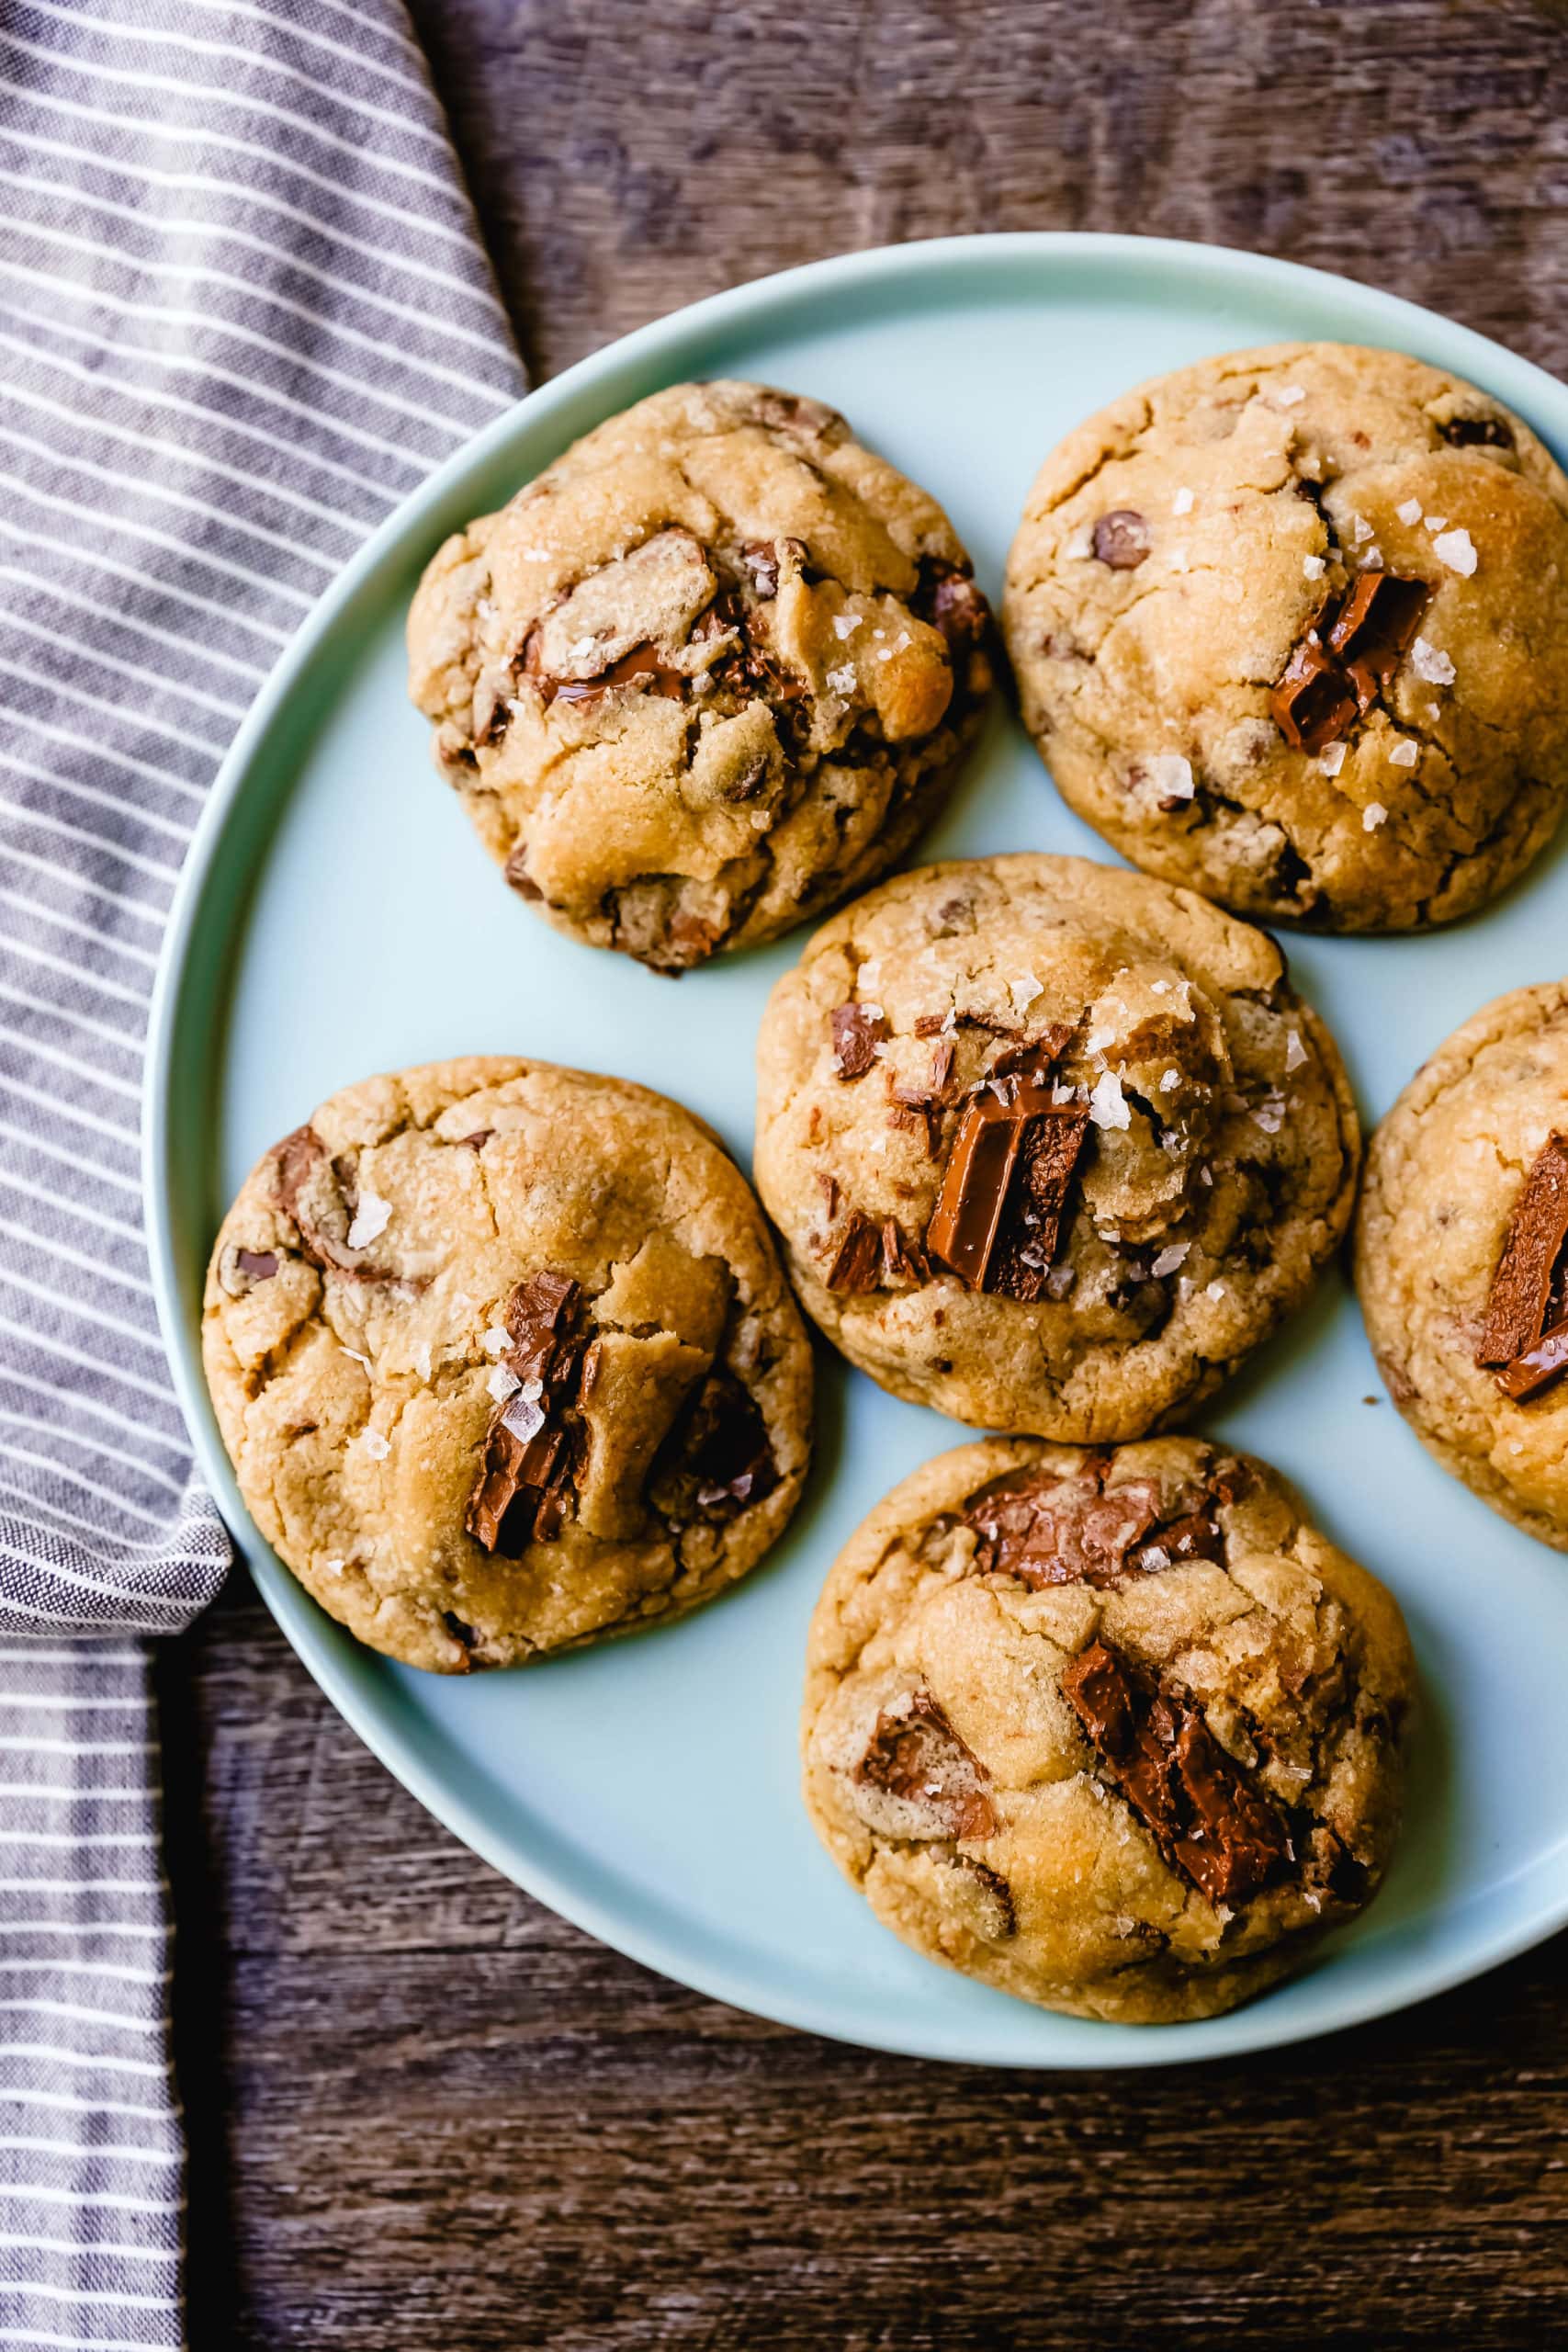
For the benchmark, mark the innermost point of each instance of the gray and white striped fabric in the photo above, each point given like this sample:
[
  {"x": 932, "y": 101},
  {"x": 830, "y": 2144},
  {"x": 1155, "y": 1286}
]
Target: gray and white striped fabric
[{"x": 244, "y": 307}]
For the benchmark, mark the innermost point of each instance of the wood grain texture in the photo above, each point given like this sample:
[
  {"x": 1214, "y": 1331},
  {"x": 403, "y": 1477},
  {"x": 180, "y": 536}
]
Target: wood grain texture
[{"x": 426, "y": 2116}]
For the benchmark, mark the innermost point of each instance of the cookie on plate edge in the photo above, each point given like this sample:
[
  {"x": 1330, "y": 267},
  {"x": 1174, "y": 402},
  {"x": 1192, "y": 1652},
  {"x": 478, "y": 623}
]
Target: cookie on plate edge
[
  {"x": 1287, "y": 627},
  {"x": 504, "y": 1360},
  {"x": 1461, "y": 1256},
  {"x": 1116, "y": 1732}
]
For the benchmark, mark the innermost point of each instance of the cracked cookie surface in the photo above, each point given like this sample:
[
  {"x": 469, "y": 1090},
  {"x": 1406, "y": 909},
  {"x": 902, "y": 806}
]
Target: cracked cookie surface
[
  {"x": 1185, "y": 562},
  {"x": 1115, "y": 1731},
  {"x": 1052, "y": 1146},
  {"x": 711, "y": 670},
  {"x": 504, "y": 1360},
  {"x": 1462, "y": 1198}
]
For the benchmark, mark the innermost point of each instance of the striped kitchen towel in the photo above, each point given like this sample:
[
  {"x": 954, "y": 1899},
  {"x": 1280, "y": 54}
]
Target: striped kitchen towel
[{"x": 244, "y": 309}]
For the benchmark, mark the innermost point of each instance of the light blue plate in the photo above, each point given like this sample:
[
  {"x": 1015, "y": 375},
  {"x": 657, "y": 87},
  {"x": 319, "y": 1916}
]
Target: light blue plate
[{"x": 337, "y": 916}]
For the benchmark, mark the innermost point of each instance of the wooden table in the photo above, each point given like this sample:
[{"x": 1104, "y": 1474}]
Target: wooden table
[{"x": 426, "y": 2116}]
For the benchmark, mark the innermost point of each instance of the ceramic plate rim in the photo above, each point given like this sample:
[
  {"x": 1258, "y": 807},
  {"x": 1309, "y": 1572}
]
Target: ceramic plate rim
[{"x": 1386, "y": 318}]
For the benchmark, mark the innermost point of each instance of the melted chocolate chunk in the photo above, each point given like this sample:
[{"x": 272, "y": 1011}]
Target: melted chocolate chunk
[
  {"x": 1312, "y": 703},
  {"x": 718, "y": 1459},
  {"x": 1468, "y": 431},
  {"x": 857, "y": 1266},
  {"x": 525, "y": 1485},
  {"x": 1528, "y": 1288},
  {"x": 857, "y": 1034},
  {"x": 1537, "y": 1367},
  {"x": 259, "y": 1264},
  {"x": 999, "y": 1213},
  {"x": 1348, "y": 657},
  {"x": 1156, "y": 1749},
  {"x": 642, "y": 661},
  {"x": 915, "y": 1756},
  {"x": 1374, "y": 629},
  {"x": 1120, "y": 539}
]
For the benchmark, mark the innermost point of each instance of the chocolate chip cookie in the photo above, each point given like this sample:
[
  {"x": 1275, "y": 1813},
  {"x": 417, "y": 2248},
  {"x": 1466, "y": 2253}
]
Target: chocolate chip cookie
[
  {"x": 711, "y": 670},
  {"x": 505, "y": 1361},
  {"x": 1461, "y": 1256},
  {"x": 1116, "y": 1732},
  {"x": 1287, "y": 626},
  {"x": 1052, "y": 1146}
]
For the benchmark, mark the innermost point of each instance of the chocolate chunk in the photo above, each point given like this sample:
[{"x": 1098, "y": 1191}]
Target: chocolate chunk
[
  {"x": 1537, "y": 1367},
  {"x": 762, "y": 560},
  {"x": 856, "y": 1035},
  {"x": 1034, "y": 1058},
  {"x": 1048, "y": 1153},
  {"x": 1520, "y": 1300},
  {"x": 1155, "y": 1748},
  {"x": 949, "y": 599},
  {"x": 315, "y": 1190},
  {"x": 1005, "y": 1188},
  {"x": 857, "y": 1266},
  {"x": 1045, "y": 1530},
  {"x": 525, "y": 1485},
  {"x": 903, "y": 1261},
  {"x": 1348, "y": 657},
  {"x": 477, "y": 1140},
  {"x": 1467, "y": 432},
  {"x": 1195, "y": 1536},
  {"x": 517, "y": 873},
  {"x": 1374, "y": 629},
  {"x": 259, "y": 1264},
  {"x": 829, "y": 1186},
  {"x": 915, "y": 1757},
  {"x": 930, "y": 1025},
  {"x": 1312, "y": 703},
  {"x": 1121, "y": 539},
  {"x": 717, "y": 1459}
]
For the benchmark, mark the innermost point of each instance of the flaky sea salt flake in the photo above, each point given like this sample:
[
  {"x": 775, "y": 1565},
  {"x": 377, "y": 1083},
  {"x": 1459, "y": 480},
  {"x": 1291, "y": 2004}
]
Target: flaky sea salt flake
[
  {"x": 1406, "y": 753},
  {"x": 1295, "y": 1052},
  {"x": 502, "y": 1384},
  {"x": 1373, "y": 815},
  {"x": 1182, "y": 502},
  {"x": 372, "y": 1216},
  {"x": 1410, "y": 512},
  {"x": 496, "y": 1341},
  {"x": 1108, "y": 1104},
  {"x": 1332, "y": 759},
  {"x": 1314, "y": 565},
  {"x": 1456, "y": 550},
  {"x": 1431, "y": 663},
  {"x": 1170, "y": 1259}
]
